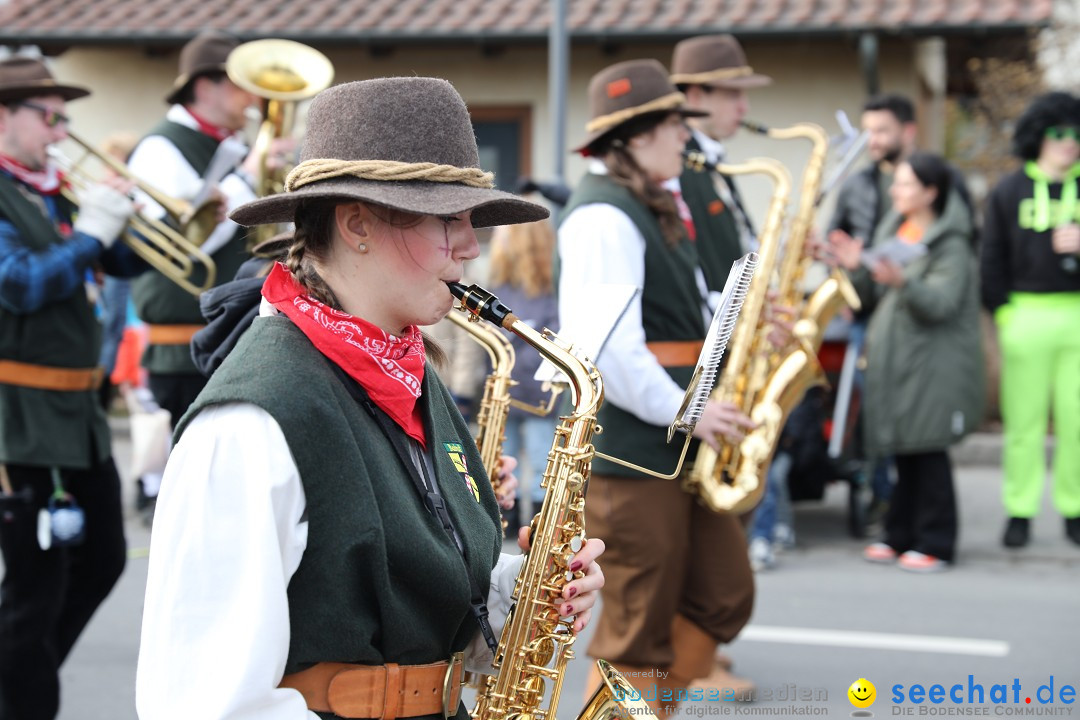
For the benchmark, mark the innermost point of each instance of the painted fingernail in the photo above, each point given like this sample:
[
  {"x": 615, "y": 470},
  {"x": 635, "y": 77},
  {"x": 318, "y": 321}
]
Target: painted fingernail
[
  {"x": 569, "y": 610},
  {"x": 575, "y": 566},
  {"x": 572, "y": 593}
]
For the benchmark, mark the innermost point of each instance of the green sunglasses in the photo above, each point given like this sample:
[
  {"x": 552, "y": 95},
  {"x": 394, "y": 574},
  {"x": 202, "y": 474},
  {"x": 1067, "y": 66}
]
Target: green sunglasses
[{"x": 1058, "y": 132}]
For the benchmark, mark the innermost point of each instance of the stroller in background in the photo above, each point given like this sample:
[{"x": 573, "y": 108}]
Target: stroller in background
[{"x": 810, "y": 432}]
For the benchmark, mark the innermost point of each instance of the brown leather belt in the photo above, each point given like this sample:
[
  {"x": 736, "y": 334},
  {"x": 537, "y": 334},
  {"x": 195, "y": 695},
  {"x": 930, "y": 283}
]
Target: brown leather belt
[
  {"x": 676, "y": 353},
  {"x": 172, "y": 334},
  {"x": 387, "y": 691},
  {"x": 46, "y": 377}
]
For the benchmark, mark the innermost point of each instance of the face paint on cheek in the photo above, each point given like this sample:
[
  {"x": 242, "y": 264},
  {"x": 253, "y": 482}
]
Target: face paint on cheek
[{"x": 446, "y": 242}]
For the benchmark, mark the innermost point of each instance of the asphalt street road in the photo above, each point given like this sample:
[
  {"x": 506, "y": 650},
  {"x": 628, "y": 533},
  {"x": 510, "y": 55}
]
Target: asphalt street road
[{"x": 823, "y": 620}]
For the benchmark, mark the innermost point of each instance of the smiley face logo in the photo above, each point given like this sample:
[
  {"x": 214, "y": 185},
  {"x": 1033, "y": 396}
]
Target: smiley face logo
[{"x": 862, "y": 693}]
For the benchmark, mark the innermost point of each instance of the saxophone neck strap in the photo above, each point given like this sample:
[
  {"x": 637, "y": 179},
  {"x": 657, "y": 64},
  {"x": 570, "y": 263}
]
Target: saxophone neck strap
[{"x": 422, "y": 473}]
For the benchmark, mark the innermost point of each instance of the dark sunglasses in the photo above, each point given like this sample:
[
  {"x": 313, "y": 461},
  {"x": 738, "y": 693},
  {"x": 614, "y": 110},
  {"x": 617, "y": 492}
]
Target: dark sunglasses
[
  {"x": 51, "y": 117},
  {"x": 1062, "y": 132}
]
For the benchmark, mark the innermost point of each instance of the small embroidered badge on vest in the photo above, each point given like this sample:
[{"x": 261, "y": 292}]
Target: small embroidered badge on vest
[
  {"x": 716, "y": 207},
  {"x": 457, "y": 456}
]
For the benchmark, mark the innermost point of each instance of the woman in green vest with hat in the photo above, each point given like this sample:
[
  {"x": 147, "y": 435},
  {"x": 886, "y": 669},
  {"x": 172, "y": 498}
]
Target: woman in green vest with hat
[
  {"x": 325, "y": 540},
  {"x": 667, "y": 602}
]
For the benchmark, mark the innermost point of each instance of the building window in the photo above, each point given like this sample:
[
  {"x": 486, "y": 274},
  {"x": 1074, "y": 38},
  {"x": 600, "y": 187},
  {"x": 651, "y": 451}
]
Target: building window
[{"x": 504, "y": 136}]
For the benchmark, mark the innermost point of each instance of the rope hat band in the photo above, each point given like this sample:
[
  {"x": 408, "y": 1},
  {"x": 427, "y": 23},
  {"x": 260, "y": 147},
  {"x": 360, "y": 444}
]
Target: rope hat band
[
  {"x": 316, "y": 169},
  {"x": 667, "y": 102},
  {"x": 704, "y": 78}
]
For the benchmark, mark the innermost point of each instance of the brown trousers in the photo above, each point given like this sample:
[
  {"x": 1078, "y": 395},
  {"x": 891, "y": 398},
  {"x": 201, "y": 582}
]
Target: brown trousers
[{"x": 666, "y": 554}]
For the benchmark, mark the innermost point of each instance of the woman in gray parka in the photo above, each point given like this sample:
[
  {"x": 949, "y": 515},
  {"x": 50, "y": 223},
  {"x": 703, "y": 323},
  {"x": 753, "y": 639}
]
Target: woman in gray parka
[{"x": 924, "y": 379}]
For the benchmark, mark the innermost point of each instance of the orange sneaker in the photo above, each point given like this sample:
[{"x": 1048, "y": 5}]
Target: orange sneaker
[
  {"x": 915, "y": 561},
  {"x": 879, "y": 552}
]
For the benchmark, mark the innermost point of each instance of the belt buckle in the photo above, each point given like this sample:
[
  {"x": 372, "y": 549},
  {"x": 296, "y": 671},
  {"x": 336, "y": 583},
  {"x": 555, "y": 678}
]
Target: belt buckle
[{"x": 456, "y": 660}]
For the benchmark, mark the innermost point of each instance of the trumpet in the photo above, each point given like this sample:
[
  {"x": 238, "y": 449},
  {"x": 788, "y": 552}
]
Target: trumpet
[{"x": 169, "y": 250}]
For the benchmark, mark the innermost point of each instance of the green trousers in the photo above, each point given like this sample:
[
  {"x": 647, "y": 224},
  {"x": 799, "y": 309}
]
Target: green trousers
[{"x": 1040, "y": 378}]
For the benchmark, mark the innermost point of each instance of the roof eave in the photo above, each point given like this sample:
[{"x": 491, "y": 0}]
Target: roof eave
[{"x": 68, "y": 38}]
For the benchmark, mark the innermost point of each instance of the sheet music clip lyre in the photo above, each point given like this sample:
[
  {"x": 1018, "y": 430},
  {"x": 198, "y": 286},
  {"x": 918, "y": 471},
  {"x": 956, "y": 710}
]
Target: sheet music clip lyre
[{"x": 708, "y": 363}]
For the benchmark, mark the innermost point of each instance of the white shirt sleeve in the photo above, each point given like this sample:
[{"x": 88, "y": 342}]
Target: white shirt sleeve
[
  {"x": 229, "y": 532},
  {"x": 600, "y": 244},
  {"x": 478, "y": 657},
  {"x": 160, "y": 164}
]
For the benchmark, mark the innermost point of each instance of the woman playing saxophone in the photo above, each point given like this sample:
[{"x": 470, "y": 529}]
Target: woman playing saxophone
[
  {"x": 325, "y": 530},
  {"x": 623, "y": 226}
]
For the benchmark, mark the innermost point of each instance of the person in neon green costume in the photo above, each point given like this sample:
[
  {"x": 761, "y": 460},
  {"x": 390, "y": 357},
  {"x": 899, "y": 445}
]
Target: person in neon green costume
[{"x": 1030, "y": 268}]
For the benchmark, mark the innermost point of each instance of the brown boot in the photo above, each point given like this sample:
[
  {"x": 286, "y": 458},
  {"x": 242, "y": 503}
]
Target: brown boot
[
  {"x": 696, "y": 664},
  {"x": 729, "y": 686}
]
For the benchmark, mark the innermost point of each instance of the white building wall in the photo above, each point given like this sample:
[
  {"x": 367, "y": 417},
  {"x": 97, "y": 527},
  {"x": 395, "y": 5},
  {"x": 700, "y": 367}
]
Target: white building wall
[{"x": 812, "y": 80}]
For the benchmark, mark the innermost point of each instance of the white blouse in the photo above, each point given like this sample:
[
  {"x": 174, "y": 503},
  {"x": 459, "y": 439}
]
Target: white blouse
[
  {"x": 229, "y": 532},
  {"x": 598, "y": 243},
  {"x": 160, "y": 163}
]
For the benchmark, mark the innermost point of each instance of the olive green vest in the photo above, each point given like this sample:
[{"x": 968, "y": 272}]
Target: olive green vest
[
  {"x": 379, "y": 581},
  {"x": 160, "y": 301},
  {"x": 717, "y": 232},
  {"x": 671, "y": 307},
  {"x": 47, "y": 427}
]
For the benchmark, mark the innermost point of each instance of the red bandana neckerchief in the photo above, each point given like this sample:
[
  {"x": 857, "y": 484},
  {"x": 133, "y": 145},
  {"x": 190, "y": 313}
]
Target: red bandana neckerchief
[
  {"x": 684, "y": 215},
  {"x": 389, "y": 368},
  {"x": 45, "y": 182},
  {"x": 206, "y": 128}
]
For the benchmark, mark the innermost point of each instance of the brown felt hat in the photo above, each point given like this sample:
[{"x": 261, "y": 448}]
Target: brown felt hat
[
  {"x": 399, "y": 125},
  {"x": 628, "y": 90},
  {"x": 716, "y": 61},
  {"x": 206, "y": 53},
  {"x": 23, "y": 77}
]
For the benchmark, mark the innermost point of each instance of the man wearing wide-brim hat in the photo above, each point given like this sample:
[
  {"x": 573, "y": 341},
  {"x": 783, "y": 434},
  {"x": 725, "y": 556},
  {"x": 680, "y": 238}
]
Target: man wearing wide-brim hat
[
  {"x": 206, "y": 112},
  {"x": 53, "y": 434},
  {"x": 713, "y": 72}
]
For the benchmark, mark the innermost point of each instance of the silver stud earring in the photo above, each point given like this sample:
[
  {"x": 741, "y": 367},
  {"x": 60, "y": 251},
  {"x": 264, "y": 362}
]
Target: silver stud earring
[{"x": 362, "y": 247}]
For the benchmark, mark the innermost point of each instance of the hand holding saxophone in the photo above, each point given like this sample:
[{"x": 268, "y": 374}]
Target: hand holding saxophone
[
  {"x": 506, "y": 483},
  {"x": 580, "y": 594},
  {"x": 722, "y": 422},
  {"x": 780, "y": 320}
]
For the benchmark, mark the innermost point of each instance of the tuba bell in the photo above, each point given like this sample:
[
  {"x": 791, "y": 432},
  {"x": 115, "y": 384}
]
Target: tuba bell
[{"x": 282, "y": 72}]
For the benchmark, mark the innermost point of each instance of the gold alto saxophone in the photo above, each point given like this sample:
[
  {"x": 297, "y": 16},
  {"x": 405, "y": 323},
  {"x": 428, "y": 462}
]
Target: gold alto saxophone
[
  {"x": 536, "y": 643},
  {"x": 796, "y": 370},
  {"x": 814, "y": 313},
  {"x": 722, "y": 479},
  {"x": 495, "y": 403}
]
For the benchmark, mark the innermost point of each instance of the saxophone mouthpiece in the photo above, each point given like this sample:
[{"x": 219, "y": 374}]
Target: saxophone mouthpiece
[
  {"x": 755, "y": 127},
  {"x": 480, "y": 302}
]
